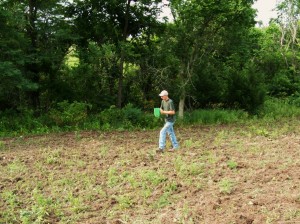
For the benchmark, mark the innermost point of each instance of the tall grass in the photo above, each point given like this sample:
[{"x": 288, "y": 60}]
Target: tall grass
[
  {"x": 215, "y": 116},
  {"x": 70, "y": 118},
  {"x": 279, "y": 108}
]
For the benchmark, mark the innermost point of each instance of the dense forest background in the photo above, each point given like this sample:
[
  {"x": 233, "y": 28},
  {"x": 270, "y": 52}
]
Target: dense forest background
[{"x": 59, "y": 57}]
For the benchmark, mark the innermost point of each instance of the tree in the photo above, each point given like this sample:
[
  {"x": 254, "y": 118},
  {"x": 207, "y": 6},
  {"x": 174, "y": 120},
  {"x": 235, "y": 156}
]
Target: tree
[
  {"x": 279, "y": 54},
  {"x": 114, "y": 22},
  {"x": 204, "y": 31},
  {"x": 35, "y": 39},
  {"x": 288, "y": 20},
  {"x": 50, "y": 38},
  {"x": 12, "y": 57}
]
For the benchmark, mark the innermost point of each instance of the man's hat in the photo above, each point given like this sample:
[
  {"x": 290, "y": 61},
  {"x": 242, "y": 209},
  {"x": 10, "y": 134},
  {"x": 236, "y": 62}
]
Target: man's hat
[{"x": 164, "y": 93}]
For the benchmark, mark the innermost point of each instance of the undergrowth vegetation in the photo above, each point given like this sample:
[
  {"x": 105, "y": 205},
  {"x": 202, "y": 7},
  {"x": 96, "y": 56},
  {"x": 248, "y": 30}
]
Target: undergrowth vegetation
[{"x": 75, "y": 116}]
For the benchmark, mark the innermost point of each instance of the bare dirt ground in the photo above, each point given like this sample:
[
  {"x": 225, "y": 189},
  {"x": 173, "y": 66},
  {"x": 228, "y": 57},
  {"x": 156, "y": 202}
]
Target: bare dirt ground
[{"x": 221, "y": 174}]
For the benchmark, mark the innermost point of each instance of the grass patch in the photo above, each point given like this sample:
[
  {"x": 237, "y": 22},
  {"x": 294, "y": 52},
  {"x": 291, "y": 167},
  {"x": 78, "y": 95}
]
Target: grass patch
[
  {"x": 226, "y": 186},
  {"x": 215, "y": 116},
  {"x": 232, "y": 164}
]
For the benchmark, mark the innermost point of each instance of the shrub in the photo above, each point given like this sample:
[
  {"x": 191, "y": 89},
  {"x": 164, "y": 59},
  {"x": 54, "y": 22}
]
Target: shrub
[
  {"x": 246, "y": 89},
  {"x": 14, "y": 123},
  {"x": 111, "y": 117},
  {"x": 67, "y": 113},
  {"x": 133, "y": 115},
  {"x": 128, "y": 117}
]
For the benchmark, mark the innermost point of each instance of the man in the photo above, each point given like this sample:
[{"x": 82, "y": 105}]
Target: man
[{"x": 167, "y": 108}]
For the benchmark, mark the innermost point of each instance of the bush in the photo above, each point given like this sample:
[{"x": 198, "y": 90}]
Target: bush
[
  {"x": 14, "y": 123},
  {"x": 133, "y": 115},
  {"x": 111, "y": 117},
  {"x": 128, "y": 117},
  {"x": 246, "y": 90},
  {"x": 68, "y": 114}
]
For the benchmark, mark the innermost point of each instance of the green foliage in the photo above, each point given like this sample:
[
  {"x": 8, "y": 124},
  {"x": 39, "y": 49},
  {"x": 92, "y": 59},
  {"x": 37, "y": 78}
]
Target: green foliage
[
  {"x": 69, "y": 113},
  {"x": 124, "y": 201},
  {"x": 126, "y": 118},
  {"x": 16, "y": 167},
  {"x": 73, "y": 116},
  {"x": 283, "y": 84},
  {"x": 92, "y": 80},
  {"x": 246, "y": 89},
  {"x": 215, "y": 116},
  {"x": 12, "y": 123},
  {"x": 185, "y": 169},
  {"x": 232, "y": 164},
  {"x": 153, "y": 178},
  {"x": 12, "y": 202},
  {"x": 163, "y": 201},
  {"x": 2, "y": 146},
  {"x": 111, "y": 117},
  {"x": 280, "y": 108},
  {"x": 203, "y": 38},
  {"x": 12, "y": 57},
  {"x": 131, "y": 114},
  {"x": 208, "y": 55},
  {"x": 278, "y": 56},
  {"x": 226, "y": 186}
]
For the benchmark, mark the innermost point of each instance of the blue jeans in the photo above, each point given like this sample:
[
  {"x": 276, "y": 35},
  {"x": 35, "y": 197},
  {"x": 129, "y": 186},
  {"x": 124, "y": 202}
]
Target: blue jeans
[{"x": 168, "y": 128}]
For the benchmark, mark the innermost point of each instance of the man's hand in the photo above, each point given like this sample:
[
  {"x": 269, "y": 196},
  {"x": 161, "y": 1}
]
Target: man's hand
[{"x": 171, "y": 112}]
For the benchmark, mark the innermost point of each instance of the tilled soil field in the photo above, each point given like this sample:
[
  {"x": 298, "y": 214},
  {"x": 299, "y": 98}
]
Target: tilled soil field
[{"x": 221, "y": 174}]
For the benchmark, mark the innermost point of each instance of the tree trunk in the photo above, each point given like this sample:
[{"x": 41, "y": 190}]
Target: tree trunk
[
  {"x": 181, "y": 105},
  {"x": 121, "y": 67},
  {"x": 32, "y": 67},
  {"x": 120, "y": 82}
]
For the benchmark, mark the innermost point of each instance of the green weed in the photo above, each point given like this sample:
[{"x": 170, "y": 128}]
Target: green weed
[
  {"x": 152, "y": 177},
  {"x": 12, "y": 202},
  {"x": 226, "y": 186},
  {"x": 232, "y": 164},
  {"x": 124, "y": 201},
  {"x": 188, "y": 169},
  {"x": 103, "y": 151},
  {"x": 188, "y": 143},
  {"x": 208, "y": 157},
  {"x": 2, "y": 145},
  {"x": 112, "y": 177},
  {"x": 73, "y": 116},
  {"x": 53, "y": 158},
  {"x": 42, "y": 206},
  {"x": 292, "y": 214},
  {"x": 275, "y": 109},
  {"x": 16, "y": 167},
  {"x": 163, "y": 201},
  {"x": 271, "y": 215},
  {"x": 75, "y": 203},
  {"x": 95, "y": 192},
  {"x": 78, "y": 135},
  {"x": 171, "y": 187},
  {"x": 146, "y": 193},
  {"x": 132, "y": 180},
  {"x": 185, "y": 214}
]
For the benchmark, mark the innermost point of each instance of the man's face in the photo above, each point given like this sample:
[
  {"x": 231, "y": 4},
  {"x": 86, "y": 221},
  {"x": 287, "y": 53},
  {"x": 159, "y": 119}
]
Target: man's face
[{"x": 164, "y": 97}]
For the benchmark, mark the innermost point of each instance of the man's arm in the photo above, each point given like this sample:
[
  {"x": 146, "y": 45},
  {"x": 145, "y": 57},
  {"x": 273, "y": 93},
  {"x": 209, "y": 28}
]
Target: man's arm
[
  {"x": 170, "y": 112},
  {"x": 171, "y": 108}
]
